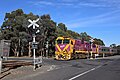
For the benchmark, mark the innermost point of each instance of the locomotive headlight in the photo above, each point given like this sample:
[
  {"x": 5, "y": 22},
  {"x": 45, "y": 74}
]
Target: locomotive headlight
[
  {"x": 69, "y": 56},
  {"x": 56, "y": 56}
]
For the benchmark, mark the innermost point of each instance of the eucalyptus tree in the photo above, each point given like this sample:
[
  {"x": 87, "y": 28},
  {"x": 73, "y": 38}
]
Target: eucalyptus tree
[
  {"x": 12, "y": 28},
  {"x": 85, "y": 36},
  {"x": 48, "y": 31},
  {"x": 113, "y": 45},
  {"x": 99, "y": 42}
]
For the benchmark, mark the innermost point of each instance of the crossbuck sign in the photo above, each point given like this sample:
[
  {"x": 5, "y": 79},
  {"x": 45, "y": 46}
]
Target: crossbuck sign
[{"x": 33, "y": 23}]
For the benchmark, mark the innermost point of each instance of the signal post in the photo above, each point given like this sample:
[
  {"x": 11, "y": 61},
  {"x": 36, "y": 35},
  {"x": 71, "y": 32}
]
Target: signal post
[
  {"x": 36, "y": 61},
  {"x": 91, "y": 53}
]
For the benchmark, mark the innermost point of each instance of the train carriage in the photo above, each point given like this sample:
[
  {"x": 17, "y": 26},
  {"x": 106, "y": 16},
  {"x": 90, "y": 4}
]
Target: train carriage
[
  {"x": 106, "y": 51},
  {"x": 113, "y": 51}
]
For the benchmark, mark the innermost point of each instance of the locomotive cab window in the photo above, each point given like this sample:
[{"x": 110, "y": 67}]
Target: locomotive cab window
[
  {"x": 59, "y": 41},
  {"x": 66, "y": 41}
]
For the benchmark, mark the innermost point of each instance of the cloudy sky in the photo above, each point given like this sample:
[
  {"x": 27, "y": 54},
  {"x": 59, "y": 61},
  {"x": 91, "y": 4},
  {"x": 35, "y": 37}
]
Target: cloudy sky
[{"x": 99, "y": 18}]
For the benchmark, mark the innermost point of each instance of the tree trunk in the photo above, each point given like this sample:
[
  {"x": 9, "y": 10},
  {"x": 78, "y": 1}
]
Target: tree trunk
[
  {"x": 15, "y": 51},
  {"x": 22, "y": 51}
]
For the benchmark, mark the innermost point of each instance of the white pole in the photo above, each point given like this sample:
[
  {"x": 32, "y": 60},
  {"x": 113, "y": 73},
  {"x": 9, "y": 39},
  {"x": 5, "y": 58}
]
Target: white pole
[
  {"x": 91, "y": 55},
  {"x": 0, "y": 65},
  {"x": 34, "y": 58},
  {"x": 34, "y": 51},
  {"x": 47, "y": 50},
  {"x": 34, "y": 38},
  {"x": 103, "y": 55},
  {"x": 91, "y": 49}
]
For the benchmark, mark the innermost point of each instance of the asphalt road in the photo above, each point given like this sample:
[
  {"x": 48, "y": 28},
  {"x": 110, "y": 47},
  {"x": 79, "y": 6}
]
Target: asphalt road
[
  {"x": 109, "y": 71},
  {"x": 81, "y": 69}
]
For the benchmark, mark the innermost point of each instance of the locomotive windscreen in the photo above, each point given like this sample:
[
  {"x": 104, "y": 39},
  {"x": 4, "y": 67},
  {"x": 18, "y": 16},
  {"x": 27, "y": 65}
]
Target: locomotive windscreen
[
  {"x": 59, "y": 41},
  {"x": 66, "y": 41}
]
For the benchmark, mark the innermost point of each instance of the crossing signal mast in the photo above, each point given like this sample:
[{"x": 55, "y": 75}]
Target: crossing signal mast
[
  {"x": 37, "y": 61},
  {"x": 91, "y": 43}
]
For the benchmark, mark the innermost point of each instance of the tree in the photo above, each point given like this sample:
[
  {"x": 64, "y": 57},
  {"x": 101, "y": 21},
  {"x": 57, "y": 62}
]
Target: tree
[
  {"x": 61, "y": 32},
  {"x": 73, "y": 34},
  {"x": 62, "y": 27},
  {"x": 12, "y": 27},
  {"x": 99, "y": 42},
  {"x": 85, "y": 36},
  {"x": 113, "y": 45},
  {"x": 48, "y": 31}
]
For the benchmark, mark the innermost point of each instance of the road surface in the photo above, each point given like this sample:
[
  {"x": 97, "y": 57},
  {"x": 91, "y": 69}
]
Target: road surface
[{"x": 80, "y": 69}]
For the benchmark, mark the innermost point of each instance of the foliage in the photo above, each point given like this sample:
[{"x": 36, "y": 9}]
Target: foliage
[
  {"x": 113, "y": 45},
  {"x": 62, "y": 31},
  {"x": 62, "y": 27},
  {"x": 15, "y": 28},
  {"x": 98, "y": 41},
  {"x": 74, "y": 35},
  {"x": 85, "y": 36}
]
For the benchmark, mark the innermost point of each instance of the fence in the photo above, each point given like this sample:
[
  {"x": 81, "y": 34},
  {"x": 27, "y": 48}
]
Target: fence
[
  {"x": 4, "y": 48},
  {"x": 4, "y": 51}
]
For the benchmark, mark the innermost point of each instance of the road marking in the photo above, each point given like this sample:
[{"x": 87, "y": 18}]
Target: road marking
[
  {"x": 84, "y": 73},
  {"x": 51, "y": 68}
]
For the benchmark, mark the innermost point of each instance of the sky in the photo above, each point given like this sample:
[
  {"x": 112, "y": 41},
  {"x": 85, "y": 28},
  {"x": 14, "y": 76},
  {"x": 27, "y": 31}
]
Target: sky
[{"x": 99, "y": 18}]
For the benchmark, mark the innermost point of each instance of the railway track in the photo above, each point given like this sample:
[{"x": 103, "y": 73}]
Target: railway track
[{"x": 11, "y": 64}]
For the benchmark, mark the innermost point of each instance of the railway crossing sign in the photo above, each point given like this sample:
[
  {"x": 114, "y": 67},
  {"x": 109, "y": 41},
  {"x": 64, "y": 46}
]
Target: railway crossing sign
[
  {"x": 38, "y": 60},
  {"x": 91, "y": 43},
  {"x": 33, "y": 23},
  {"x": 34, "y": 45}
]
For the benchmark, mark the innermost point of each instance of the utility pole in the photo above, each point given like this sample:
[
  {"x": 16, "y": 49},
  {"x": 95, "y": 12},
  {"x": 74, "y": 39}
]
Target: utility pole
[
  {"x": 47, "y": 49},
  {"x": 91, "y": 43}
]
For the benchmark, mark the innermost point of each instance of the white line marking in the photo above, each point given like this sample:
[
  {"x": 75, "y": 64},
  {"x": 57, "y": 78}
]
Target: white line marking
[
  {"x": 84, "y": 73},
  {"x": 51, "y": 68}
]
